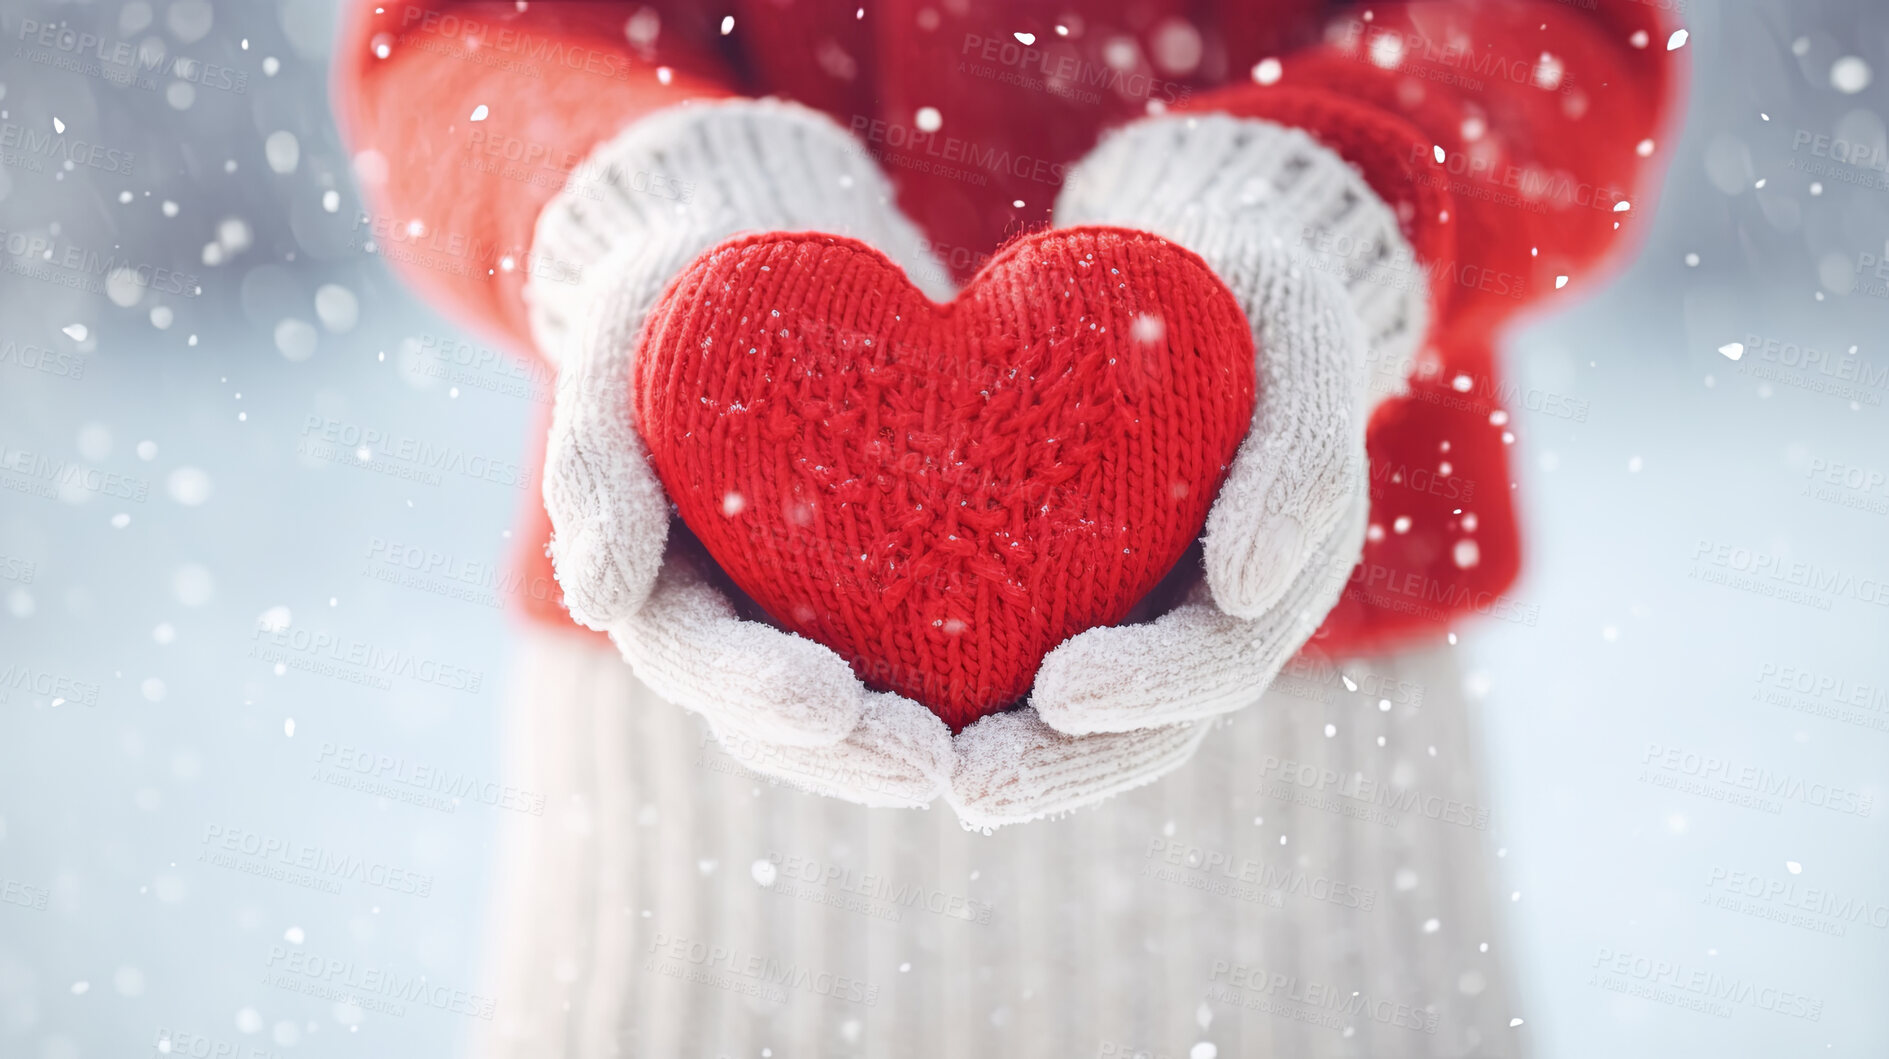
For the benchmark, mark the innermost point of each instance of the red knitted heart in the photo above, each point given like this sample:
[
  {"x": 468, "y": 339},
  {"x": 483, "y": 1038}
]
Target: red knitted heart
[{"x": 943, "y": 493}]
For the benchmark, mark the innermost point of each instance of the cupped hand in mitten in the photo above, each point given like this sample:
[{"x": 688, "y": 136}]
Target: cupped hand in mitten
[
  {"x": 671, "y": 186},
  {"x": 1337, "y": 308}
]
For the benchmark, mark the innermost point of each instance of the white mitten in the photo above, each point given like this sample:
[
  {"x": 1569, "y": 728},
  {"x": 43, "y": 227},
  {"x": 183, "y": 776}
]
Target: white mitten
[{"x": 1331, "y": 289}]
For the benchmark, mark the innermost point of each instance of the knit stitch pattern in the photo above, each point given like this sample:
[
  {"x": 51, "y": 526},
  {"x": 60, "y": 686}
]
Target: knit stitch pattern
[{"x": 944, "y": 493}]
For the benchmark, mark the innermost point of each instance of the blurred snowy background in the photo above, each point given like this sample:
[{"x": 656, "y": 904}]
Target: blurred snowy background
[{"x": 204, "y": 622}]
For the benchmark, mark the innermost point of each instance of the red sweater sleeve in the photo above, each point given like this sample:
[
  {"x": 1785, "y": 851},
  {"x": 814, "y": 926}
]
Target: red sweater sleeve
[
  {"x": 1519, "y": 143},
  {"x": 466, "y": 118}
]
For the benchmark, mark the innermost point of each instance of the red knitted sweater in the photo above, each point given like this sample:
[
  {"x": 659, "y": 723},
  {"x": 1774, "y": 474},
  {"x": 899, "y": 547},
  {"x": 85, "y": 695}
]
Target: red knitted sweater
[{"x": 1519, "y": 143}]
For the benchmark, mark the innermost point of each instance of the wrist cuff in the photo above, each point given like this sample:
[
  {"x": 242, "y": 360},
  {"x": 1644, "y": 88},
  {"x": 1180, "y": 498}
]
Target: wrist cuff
[
  {"x": 693, "y": 175},
  {"x": 1186, "y": 177}
]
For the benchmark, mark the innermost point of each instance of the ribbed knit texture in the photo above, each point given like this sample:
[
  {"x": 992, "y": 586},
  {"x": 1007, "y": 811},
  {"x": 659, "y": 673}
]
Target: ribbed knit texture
[
  {"x": 1389, "y": 154},
  {"x": 943, "y": 493},
  {"x": 1107, "y": 933},
  {"x": 747, "y": 165},
  {"x": 1195, "y": 177}
]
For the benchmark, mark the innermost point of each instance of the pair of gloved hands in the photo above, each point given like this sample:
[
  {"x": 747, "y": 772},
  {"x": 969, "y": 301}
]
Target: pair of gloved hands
[{"x": 1112, "y": 708}]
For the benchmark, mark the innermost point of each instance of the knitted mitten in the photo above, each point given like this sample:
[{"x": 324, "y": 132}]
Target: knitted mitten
[
  {"x": 1330, "y": 287},
  {"x": 1211, "y": 183}
]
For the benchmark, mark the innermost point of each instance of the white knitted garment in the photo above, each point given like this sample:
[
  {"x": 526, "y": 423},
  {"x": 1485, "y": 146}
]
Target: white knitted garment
[
  {"x": 668, "y": 902},
  {"x": 1113, "y": 708}
]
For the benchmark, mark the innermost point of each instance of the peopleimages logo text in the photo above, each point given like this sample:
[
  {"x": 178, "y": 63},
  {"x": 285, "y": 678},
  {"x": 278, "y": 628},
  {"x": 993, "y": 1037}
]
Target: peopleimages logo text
[
  {"x": 348, "y": 980},
  {"x": 119, "y": 61},
  {"x": 1704, "y": 984},
  {"x": 760, "y": 970},
  {"x": 1065, "y": 72},
  {"x": 1764, "y": 570},
  {"x": 918, "y": 146},
  {"x": 38, "y": 143},
  {"x": 48, "y": 251},
  {"x": 1711, "y": 769}
]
